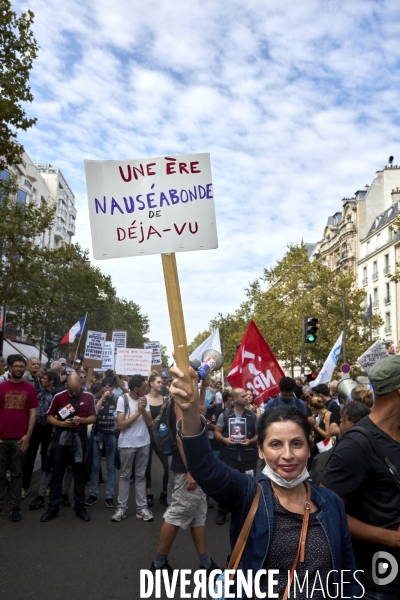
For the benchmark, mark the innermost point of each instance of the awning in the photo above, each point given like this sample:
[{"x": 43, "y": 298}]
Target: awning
[{"x": 26, "y": 350}]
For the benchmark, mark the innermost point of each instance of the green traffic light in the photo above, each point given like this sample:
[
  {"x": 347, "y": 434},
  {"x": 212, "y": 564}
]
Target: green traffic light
[{"x": 311, "y": 338}]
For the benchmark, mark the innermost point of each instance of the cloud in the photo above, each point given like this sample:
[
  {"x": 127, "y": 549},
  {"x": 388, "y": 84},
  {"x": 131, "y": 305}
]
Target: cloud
[{"x": 297, "y": 103}]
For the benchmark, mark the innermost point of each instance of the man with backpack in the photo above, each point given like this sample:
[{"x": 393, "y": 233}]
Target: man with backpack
[
  {"x": 286, "y": 397},
  {"x": 133, "y": 420},
  {"x": 364, "y": 470}
]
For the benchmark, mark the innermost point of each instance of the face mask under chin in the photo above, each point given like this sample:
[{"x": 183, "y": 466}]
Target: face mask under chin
[{"x": 279, "y": 480}]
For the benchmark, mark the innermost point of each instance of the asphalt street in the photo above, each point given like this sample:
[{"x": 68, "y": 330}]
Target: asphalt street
[{"x": 67, "y": 559}]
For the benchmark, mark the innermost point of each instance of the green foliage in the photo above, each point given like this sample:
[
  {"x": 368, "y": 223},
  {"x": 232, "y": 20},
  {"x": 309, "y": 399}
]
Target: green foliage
[
  {"x": 279, "y": 310},
  {"x": 18, "y": 50},
  {"x": 21, "y": 226},
  {"x": 63, "y": 287},
  {"x": 165, "y": 359}
]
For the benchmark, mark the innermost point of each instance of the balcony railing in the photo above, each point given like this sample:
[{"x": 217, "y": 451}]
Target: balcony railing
[
  {"x": 387, "y": 299},
  {"x": 386, "y": 270},
  {"x": 388, "y": 328},
  {"x": 375, "y": 276},
  {"x": 365, "y": 281},
  {"x": 375, "y": 304}
]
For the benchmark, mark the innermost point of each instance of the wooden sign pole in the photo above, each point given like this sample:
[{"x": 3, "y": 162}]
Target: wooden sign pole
[{"x": 174, "y": 300}]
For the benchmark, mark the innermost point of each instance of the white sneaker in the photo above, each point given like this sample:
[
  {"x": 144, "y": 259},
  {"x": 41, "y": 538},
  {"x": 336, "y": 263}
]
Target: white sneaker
[
  {"x": 145, "y": 514},
  {"x": 121, "y": 513}
]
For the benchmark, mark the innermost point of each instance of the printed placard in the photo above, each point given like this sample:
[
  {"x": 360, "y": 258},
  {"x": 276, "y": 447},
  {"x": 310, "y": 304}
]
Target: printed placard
[
  {"x": 373, "y": 355},
  {"x": 133, "y": 361},
  {"x": 119, "y": 338},
  {"x": 95, "y": 341},
  {"x": 151, "y": 205},
  {"x": 155, "y": 347},
  {"x": 108, "y": 356},
  {"x": 237, "y": 429}
]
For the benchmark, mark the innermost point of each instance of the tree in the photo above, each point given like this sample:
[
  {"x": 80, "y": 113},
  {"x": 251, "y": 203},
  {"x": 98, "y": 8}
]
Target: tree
[
  {"x": 18, "y": 50},
  {"x": 21, "y": 226},
  {"x": 65, "y": 286},
  {"x": 279, "y": 310}
]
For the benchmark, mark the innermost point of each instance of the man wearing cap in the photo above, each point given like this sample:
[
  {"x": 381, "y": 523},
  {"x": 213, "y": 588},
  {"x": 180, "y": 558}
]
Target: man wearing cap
[{"x": 363, "y": 480}]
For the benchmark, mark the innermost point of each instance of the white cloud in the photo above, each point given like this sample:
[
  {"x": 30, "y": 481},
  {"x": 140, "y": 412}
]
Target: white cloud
[{"x": 297, "y": 103}]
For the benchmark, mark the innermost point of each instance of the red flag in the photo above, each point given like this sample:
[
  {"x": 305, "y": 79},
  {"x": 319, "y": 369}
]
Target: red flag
[{"x": 255, "y": 366}]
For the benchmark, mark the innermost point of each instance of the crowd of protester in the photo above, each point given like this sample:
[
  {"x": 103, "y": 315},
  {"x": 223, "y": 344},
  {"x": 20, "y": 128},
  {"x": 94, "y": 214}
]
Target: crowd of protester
[{"x": 73, "y": 423}]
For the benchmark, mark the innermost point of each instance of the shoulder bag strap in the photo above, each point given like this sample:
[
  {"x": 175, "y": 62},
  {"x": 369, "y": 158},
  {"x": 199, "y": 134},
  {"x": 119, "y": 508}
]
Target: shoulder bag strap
[
  {"x": 243, "y": 535},
  {"x": 301, "y": 551},
  {"x": 380, "y": 452}
]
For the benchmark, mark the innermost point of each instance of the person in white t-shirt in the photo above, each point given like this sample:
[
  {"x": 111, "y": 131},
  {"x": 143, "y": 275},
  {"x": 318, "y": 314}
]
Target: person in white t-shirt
[{"x": 133, "y": 418}]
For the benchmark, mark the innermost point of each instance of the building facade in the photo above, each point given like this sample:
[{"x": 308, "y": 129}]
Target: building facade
[
  {"x": 362, "y": 238},
  {"x": 42, "y": 183},
  {"x": 39, "y": 183}
]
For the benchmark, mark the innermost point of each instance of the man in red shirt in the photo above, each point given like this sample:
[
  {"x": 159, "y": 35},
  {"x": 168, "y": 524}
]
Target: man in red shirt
[
  {"x": 18, "y": 403},
  {"x": 70, "y": 413}
]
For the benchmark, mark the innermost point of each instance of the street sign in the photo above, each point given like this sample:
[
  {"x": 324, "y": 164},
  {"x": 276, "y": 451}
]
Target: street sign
[{"x": 345, "y": 368}]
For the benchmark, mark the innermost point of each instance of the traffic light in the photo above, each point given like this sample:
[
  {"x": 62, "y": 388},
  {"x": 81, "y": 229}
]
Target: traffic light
[{"x": 311, "y": 330}]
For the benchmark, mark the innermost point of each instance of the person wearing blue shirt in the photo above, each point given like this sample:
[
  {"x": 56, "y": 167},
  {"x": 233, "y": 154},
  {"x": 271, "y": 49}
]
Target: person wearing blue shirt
[{"x": 287, "y": 397}]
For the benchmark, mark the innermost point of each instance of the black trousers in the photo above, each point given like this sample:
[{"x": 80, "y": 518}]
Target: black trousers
[
  {"x": 164, "y": 461},
  {"x": 40, "y": 437},
  {"x": 63, "y": 457},
  {"x": 241, "y": 466}
]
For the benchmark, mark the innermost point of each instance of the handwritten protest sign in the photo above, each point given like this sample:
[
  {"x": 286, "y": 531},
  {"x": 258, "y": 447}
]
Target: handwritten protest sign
[
  {"x": 133, "y": 361},
  {"x": 373, "y": 355},
  {"x": 93, "y": 356},
  {"x": 151, "y": 206},
  {"x": 119, "y": 338},
  {"x": 156, "y": 349}
]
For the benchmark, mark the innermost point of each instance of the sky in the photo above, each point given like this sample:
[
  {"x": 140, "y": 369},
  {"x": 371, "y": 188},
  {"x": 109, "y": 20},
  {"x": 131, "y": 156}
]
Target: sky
[{"x": 297, "y": 103}]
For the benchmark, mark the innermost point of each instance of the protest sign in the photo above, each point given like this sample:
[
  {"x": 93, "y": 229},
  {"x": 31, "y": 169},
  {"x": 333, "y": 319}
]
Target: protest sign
[
  {"x": 156, "y": 349},
  {"x": 374, "y": 354},
  {"x": 93, "y": 356},
  {"x": 151, "y": 206},
  {"x": 119, "y": 338},
  {"x": 108, "y": 356},
  {"x": 133, "y": 361}
]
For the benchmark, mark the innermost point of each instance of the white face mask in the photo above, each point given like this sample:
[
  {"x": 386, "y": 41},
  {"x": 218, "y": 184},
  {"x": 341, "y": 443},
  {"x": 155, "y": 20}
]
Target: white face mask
[{"x": 279, "y": 480}]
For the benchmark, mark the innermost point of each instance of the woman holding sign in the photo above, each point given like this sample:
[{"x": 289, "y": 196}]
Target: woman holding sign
[{"x": 292, "y": 526}]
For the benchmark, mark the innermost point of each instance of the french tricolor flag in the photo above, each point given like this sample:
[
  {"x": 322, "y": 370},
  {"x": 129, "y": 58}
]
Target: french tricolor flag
[{"x": 75, "y": 330}]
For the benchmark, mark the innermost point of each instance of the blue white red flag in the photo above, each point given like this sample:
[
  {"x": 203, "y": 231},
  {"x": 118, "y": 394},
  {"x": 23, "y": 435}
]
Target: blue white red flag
[{"x": 75, "y": 330}]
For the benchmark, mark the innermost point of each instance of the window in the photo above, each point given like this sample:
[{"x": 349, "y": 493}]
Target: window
[
  {"x": 28, "y": 184},
  {"x": 378, "y": 240},
  {"x": 22, "y": 196},
  {"x": 375, "y": 266},
  {"x": 390, "y": 233},
  {"x": 348, "y": 218},
  {"x": 367, "y": 248},
  {"x": 364, "y": 276},
  {"x": 345, "y": 250},
  {"x": 387, "y": 323},
  {"x": 387, "y": 293},
  {"x": 4, "y": 175},
  {"x": 375, "y": 302}
]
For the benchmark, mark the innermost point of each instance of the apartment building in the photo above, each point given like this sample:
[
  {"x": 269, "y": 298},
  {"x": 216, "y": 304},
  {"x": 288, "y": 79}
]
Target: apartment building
[
  {"x": 39, "y": 183},
  {"x": 64, "y": 228}
]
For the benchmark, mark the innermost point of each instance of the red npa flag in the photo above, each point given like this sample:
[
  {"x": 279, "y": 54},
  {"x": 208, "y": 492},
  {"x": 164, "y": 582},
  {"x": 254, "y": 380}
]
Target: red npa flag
[{"x": 255, "y": 367}]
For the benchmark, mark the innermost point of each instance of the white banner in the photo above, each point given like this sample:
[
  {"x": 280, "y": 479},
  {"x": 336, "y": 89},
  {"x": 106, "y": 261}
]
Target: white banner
[
  {"x": 213, "y": 342},
  {"x": 94, "y": 345},
  {"x": 119, "y": 339},
  {"x": 374, "y": 354},
  {"x": 133, "y": 361},
  {"x": 151, "y": 205},
  {"x": 325, "y": 375},
  {"x": 155, "y": 347}
]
